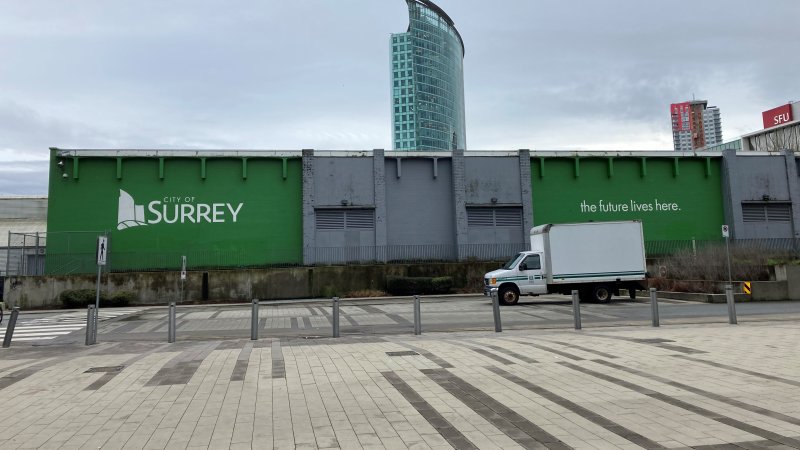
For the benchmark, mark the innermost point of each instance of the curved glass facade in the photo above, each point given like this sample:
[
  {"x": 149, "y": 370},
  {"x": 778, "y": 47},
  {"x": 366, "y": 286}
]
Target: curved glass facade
[{"x": 428, "y": 82}]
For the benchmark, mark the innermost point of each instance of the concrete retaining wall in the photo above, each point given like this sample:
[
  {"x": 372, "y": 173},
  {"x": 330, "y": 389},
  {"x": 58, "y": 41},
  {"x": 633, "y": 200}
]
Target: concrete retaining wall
[{"x": 241, "y": 285}]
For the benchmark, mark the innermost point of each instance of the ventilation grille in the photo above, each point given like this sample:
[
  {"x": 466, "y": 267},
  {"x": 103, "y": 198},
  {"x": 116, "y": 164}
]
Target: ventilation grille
[
  {"x": 330, "y": 220},
  {"x": 360, "y": 219},
  {"x": 767, "y": 212},
  {"x": 491, "y": 217},
  {"x": 350, "y": 219}
]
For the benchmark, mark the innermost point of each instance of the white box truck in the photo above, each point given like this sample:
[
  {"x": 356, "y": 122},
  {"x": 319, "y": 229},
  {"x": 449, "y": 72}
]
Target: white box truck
[{"x": 595, "y": 258}]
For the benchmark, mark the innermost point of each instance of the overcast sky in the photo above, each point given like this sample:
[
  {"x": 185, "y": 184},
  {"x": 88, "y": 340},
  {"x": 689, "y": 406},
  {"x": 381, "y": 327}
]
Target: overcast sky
[{"x": 544, "y": 75}]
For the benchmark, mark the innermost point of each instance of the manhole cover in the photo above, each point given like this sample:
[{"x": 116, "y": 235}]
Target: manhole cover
[
  {"x": 406, "y": 353},
  {"x": 108, "y": 369}
]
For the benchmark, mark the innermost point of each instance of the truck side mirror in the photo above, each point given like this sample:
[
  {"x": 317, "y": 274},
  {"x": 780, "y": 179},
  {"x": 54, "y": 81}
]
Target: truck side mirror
[{"x": 523, "y": 266}]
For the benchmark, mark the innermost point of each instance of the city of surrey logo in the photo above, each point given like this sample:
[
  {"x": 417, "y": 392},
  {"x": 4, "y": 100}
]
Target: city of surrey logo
[
  {"x": 173, "y": 209},
  {"x": 129, "y": 213}
]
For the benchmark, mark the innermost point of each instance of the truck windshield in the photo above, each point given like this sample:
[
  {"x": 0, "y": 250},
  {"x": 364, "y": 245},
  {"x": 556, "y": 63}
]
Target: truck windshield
[{"x": 513, "y": 261}]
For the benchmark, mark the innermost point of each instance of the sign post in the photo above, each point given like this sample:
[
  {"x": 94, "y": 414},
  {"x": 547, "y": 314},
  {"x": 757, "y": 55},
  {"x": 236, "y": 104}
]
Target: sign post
[
  {"x": 102, "y": 257},
  {"x": 183, "y": 274},
  {"x": 726, "y": 233}
]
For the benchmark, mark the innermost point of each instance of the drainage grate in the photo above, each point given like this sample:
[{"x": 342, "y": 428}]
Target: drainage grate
[
  {"x": 406, "y": 353},
  {"x": 108, "y": 369}
]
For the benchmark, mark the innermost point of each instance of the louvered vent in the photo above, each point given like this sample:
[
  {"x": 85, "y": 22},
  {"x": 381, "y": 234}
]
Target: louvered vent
[
  {"x": 330, "y": 219},
  {"x": 480, "y": 217},
  {"x": 345, "y": 219},
  {"x": 780, "y": 212},
  {"x": 360, "y": 219},
  {"x": 508, "y": 217},
  {"x": 490, "y": 217},
  {"x": 753, "y": 212},
  {"x": 767, "y": 212}
]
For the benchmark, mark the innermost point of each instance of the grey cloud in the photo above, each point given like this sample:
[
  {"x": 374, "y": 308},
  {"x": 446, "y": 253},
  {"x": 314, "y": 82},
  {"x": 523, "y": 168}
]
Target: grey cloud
[{"x": 315, "y": 73}]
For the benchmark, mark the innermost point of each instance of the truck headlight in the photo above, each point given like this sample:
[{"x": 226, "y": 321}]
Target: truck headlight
[{"x": 493, "y": 281}]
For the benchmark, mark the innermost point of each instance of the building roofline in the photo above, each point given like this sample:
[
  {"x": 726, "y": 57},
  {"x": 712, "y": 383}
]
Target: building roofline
[
  {"x": 438, "y": 10},
  {"x": 223, "y": 153},
  {"x": 767, "y": 130}
]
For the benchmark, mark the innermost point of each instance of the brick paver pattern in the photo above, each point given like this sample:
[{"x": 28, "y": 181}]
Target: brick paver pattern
[{"x": 687, "y": 386}]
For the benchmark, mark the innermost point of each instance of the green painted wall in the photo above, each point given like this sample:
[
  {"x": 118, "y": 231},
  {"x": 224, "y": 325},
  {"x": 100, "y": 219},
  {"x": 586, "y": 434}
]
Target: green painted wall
[
  {"x": 224, "y": 219},
  {"x": 675, "y": 201}
]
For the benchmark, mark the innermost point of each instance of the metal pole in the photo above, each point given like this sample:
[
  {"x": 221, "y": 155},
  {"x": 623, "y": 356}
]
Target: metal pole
[
  {"x": 97, "y": 301},
  {"x": 498, "y": 326},
  {"x": 36, "y": 257},
  {"x": 12, "y": 323},
  {"x": 8, "y": 255},
  {"x": 89, "y": 322},
  {"x": 654, "y": 306},
  {"x": 731, "y": 305},
  {"x": 24, "y": 260},
  {"x": 576, "y": 309},
  {"x": 336, "y": 317},
  {"x": 171, "y": 323},
  {"x": 417, "y": 316},
  {"x": 728, "y": 252},
  {"x": 254, "y": 321}
]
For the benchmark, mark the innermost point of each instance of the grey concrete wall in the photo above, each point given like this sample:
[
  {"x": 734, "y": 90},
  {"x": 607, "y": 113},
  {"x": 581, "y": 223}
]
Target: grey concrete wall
[
  {"x": 337, "y": 179},
  {"x": 419, "y": 205},
  {"x": 345, "y": 182},
  {"x": 526, "y": 194},
  {"x": 379, "y": 194},
  {"x": 460, "y": 203},
  {"x": 769, "y": 291},
  {"x": 791, "y": 276},
  {"x": 793, "y": 181},
  {"x": 309, "y": 234},
  {"x": 153, "y": 288},
  {"x": 748, "y": 178},
  {"x": 492, "y": 177}
]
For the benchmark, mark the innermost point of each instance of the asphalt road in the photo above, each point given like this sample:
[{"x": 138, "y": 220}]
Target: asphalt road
[{"x": 311, "y": 319}]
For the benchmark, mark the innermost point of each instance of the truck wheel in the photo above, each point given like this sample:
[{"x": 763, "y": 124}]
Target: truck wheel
[
  {"x": 601, "y": 294},
  {"x": 508, "y": 295}
]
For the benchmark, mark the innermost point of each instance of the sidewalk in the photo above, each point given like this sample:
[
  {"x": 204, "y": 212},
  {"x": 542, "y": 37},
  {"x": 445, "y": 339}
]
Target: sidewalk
[{"x": 698, "y": 386}]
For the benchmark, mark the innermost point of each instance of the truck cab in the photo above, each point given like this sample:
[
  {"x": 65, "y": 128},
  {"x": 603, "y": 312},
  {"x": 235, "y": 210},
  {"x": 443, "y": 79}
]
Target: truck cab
[{"x": 523, "y": 274}]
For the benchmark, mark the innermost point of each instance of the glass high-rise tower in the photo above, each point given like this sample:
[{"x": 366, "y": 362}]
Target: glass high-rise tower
[{"x": 428, "y": 82}]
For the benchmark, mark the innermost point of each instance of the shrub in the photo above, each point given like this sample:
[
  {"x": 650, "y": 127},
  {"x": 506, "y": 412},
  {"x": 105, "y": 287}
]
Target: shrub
[
  {"x": 418, "y": 285},
  {"x": 362, "y": 293},
  {"x": 81, "y": 298}
]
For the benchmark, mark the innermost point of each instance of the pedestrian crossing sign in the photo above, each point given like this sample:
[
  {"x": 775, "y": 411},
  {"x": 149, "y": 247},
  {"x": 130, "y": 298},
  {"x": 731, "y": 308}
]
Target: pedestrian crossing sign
[{"x": 746, "y": 288}]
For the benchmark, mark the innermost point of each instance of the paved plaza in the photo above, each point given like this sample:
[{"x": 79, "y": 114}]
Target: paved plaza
[{"x": 705, "y": 386}]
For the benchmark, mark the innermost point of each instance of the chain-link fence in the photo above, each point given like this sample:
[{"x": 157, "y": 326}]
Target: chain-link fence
[
  {"x": 24, "y": 255},
  {"x": 74, "y": 253}
]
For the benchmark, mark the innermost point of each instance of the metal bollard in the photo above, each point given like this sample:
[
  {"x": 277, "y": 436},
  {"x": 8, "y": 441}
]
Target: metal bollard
[
  {"x": 417, "y": 316},
  {"x": 95, "y": 323},
  {"x": 731, "y": 305},
  {"x": 254, "y": 321},
  {"x": 12, "y": 323},
  {"x": 171, "y": 323},
  {"x": 336, "y": 317},
  {"x": 654, "y": 306},
  {"x": 89, "y": 325},
  {"x": 576, "y": 309},
  {"x": 498, "y": 327}
]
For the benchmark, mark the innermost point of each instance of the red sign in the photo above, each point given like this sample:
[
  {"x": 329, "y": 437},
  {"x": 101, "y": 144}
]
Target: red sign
[
  {"x": 777, "y": 116},
  {"x": 680, "y": 111}
]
